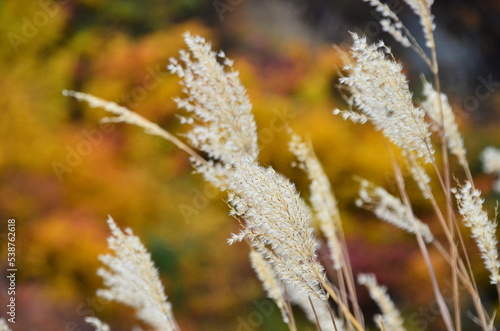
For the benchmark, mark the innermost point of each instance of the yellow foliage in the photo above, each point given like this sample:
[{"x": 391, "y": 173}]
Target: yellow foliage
[{"x": 62, "y": 172}]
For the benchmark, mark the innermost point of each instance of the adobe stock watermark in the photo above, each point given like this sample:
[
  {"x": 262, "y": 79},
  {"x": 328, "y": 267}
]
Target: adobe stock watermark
[
  {"x": 201, "y": 198},
  {"x": 224, "y": 6},
  {"x": 87, "y": 308},
  {"x": 483, "y": 91},
  {"x": 421, "y": 319},
  {"x": 278, "y": 123},
  {"x": 75, "y": 155},
  {"x": 150, "y": 81},
  {"x": 31, "y": 25},
  {"x": 256, "y": 319},
  {"x": 11, "y": 270}
]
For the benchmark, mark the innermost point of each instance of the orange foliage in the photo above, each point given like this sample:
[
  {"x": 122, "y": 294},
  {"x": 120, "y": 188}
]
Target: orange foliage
[{"x": 62, "y": 172}]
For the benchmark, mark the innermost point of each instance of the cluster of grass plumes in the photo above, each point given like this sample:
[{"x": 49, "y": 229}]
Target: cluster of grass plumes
[{"x": 275, "y": 220}]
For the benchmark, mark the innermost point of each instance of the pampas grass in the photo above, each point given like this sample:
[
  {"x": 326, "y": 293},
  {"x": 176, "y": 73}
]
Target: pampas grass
[{"x": 277, "y": 223}]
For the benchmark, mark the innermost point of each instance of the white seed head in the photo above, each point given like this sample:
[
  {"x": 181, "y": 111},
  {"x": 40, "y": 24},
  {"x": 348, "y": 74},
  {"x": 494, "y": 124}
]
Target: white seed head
[
  {"x": 223, "y": 125},
  {"x": 276, "y": 224},
  {"x": 444, "y": 121},
  {"x": 391, "y": 317},
  {"x": 271, "y": 284},
  {"x": 131, "y": 278},
  {"x": 470, "y": 206},
  {"x": 491, "y": 164},
  {"x": 390, "y": 209},
  {"x": 380, "y": 91},
  {"x": 322, "y": 198}
]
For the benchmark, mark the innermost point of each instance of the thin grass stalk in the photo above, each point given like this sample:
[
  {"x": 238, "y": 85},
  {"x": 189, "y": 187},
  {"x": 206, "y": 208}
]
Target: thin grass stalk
[
  {"x": 449, "y": 213},
  {"x": 447, "y": 182},
  {"x": 446, "y": 170},
  {"x": 347, "y": 269},
  {"x": 342, "y": 287},
  {"x": 346, "y": 281},
  {"x": 127, "y": 116},
  {"x": 468, "y": 283},
  {"x": 333, "y": 319},
  {"x": 350, "y": 317},
  {"x": 449, "y": 209},
  {"x": 346, "y": 278},
  {"x": 458, "y": 232},
  {"x": 291, "y": 320},
  {"x": 447, "y": 192},
  {"x": 413, "y": 42},
  {"x": 416, "y": 47},
  {"x": 476, "y": 296},
  {"x": 498, "y": 292},
  {"x": 463, "y": 273},
  {"x": 445, "y": 313},
  {"x": 380, "y": 323},
  {"x": 318, "y": 324}
]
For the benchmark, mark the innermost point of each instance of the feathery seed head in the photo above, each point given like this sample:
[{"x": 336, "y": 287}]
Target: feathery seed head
[
  {"x": 422, "y": 9},
  {"x": 322, "y": 198},
  {"x": 224, "y": 126},
  {"x": 380, "y": 91},
  {"x": 445, "y": 121},
  {"x": 470, "y": 206},
  {"x": 393, "y": 25},
  {"x": 131, "y": 278},
  {"x": 390, "y": 315},
  {"x": 276, "y": 224},
  {"x": 269, "y": 281},
  {"x": 390, "y": 209},
  {"x": 419, "y": 175},
  {"x": 491, "y": 164}
]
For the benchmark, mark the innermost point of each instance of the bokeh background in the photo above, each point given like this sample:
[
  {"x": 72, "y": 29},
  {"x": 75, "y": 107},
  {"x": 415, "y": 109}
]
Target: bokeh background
[{"x": 62, "y": 173}]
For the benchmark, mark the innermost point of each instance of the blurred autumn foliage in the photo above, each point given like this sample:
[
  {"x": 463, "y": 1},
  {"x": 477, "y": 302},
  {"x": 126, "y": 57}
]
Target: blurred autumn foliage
[{"x": 62, "y": 173}]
